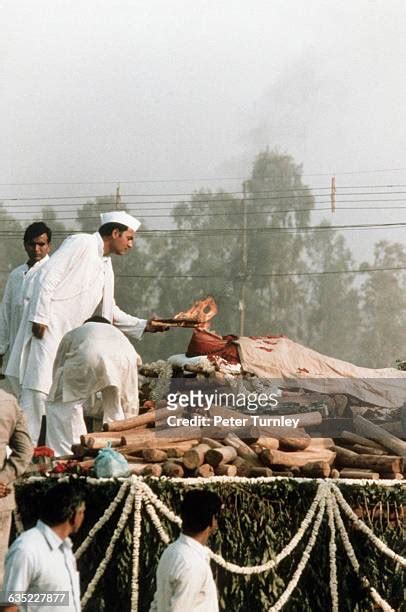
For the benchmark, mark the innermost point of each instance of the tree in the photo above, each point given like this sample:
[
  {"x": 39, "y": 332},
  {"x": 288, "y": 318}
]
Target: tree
[{"x": 384, "y": 307}]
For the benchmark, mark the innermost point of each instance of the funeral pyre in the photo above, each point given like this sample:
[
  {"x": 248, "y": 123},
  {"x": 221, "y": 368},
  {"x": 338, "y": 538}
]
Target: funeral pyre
[{"x": 328, "y": 418}]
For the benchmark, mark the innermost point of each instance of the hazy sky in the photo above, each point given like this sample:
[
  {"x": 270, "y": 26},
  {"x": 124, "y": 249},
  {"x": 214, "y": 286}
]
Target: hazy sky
[{"x": 132, "y": 90}]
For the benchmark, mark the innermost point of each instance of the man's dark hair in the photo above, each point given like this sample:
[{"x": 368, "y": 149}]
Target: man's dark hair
[
  {"x": 97, "y": 319},
  {"x": 108, "y": 228},
  {"x": 198, "y": 509},
  {"x": 36, "y": 229},
  {"x": 60, "y": 502}
]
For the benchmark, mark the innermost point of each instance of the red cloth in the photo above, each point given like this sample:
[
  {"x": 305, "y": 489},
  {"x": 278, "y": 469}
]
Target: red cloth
[{"x": 203, "y": 342}]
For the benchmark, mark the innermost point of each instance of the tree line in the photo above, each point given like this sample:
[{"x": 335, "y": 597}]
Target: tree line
[{"x": 253, "y": 251}]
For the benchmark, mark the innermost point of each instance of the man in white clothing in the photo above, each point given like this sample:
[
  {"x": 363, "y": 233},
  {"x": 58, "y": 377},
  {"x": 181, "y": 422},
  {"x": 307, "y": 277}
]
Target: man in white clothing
[
  {"x": 91, "y": 358},
  {"x": 76, "y": 281},
  {"x": 40, "y": 560},
  {"x": 18, "y": 291},
  {"x": 184, "y": 580}
]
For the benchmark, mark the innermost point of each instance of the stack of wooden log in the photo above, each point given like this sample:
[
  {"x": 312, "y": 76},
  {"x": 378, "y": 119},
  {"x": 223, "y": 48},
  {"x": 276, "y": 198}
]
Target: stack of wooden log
[{"x": 206, "y": 451}]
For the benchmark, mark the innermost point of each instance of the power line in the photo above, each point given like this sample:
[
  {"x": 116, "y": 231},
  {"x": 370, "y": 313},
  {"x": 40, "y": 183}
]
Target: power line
[{"x": 213, "y": 195}]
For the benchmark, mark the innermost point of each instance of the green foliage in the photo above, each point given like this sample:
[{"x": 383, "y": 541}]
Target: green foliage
[{"x": 257, "y": 521}]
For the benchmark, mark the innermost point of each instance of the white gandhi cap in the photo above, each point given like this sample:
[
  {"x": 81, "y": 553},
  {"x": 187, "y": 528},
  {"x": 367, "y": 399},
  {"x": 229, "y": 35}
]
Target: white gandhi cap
[{"x": 120, "y": 216}]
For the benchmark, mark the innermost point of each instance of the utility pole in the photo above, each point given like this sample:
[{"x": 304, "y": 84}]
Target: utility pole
[
  {"x": 244, "y": 259},
  {"x": 118, "y": 197}
]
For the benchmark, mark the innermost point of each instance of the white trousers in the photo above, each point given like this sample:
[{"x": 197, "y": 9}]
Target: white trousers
[
  {"x": 33, "y": 404},
  {"x": 65, "y": 422},
  {"x": 65, "y": 425},
  {"x": 112, "y": 410}
]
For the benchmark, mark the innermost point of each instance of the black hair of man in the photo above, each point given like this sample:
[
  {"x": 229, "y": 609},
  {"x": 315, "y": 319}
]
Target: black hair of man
[
  {"x": 60, "y": 502},
  {"x": 97, "y": 319},
  {"x": 198, "y": 509},
  {"x": 108, "y": 228},
  {"x": 37, "y": 229}
]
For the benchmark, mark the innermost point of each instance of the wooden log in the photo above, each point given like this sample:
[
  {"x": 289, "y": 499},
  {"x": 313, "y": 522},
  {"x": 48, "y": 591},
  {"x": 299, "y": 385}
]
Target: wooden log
[
  {"x": 383, "y": 463},
  {"x": 154, "y": 455},
  {"x": 260, "y": 472},
  {"x": 386, "y": 439},
  {"x": 395, "y": 428},
  {"x": 152, "y": 469},
  {"x": 283, "y": 473},
  {"x": 268, "y": 442},
  {"x": 243, "y": 450},
  {"x": 142, "y": 419},
  {"x": 297, "y": 458},
  {"x": 359, "y": 474},
  {"x": 205, "y": 471},
  {"x": 344, "y": 453},
  {"x": 334, "y": 473},
  {"x": 133, "y": 459},
  {"x": 225, "y": 469},
  {"x": 172, "y": 469},
  {"x": 79, "y": 451},
  {"x": 174, "y": 453},
  {"x": 322, "y": 443},
  {"x": 137, "y": 468},
  {"x": 368, "y": 450},
  {"x": 294, "y": 444},
  {"x": 354, "y": 438},
  {"x": 257, "y": 448},
  {"x": 243, "y": 467},
  {"x": 90, "y": 439},
  {"x": 212, "y": 443},
  {"x": 99, "y": 443},
  {"x": 195, "y": 457},
  {"x": 316, "y": 469},
  {"x": 391, "y": 475},
  {"x": 177, "y": 435},
  {"x": 341, "y": 403},
  {"x": 156, "y": 442},
  {"x": 215, "y": 456}
]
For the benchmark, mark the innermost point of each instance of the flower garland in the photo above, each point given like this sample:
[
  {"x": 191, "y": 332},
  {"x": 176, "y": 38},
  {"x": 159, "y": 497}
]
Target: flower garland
[
  {"x": 289, "y": 548},
  {"x": 160, "y": 386},
  {"x": 108, "y": 513},
  {"x": 136, "y": 491},
  {"x": 353, "y": 559},
  {"x": 283, "y": 599},
  {"x": 109, "y": 552},
  {"x": 332, "y": 550},
  {"x": 157, "y": 523},
  {"x": 159, "y": 505},
  {"x": 365, "y": 529}
]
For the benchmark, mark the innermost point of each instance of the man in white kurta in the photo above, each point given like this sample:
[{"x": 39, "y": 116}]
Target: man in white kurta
[
  {"x": 77, "y": 280},
  {"x": 184, "y": 580},
  {"x": 18, "y": 291},
  {"x": 91, "y": 358}
]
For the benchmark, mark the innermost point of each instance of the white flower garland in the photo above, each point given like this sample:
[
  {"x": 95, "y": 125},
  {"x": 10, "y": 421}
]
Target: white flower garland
[
  {"x": 157, "y": 523},
  {"x": 289, "y": 548},
  {"x": 353, "y": 559},
  {"x": 365, "y": 529},
  {"x": 332, "y": 551},
  {"x": 109, "y": 551},
  {"x": 137, "y": 493},
  {"x": 305, "y": 558},
  {"x": 108, "y": 513},
  {"x": 171, "y": 516}
]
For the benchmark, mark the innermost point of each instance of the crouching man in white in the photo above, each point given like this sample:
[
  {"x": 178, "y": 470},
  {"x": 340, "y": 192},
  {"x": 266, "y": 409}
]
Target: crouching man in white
[
  {"x": 184, "y": 581},
  {"x": 91, "y": 358},
  {"x": 40, "y": 560}
]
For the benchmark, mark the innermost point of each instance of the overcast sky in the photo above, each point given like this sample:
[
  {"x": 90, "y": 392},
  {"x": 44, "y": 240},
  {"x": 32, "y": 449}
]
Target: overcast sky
[{"x": 133, "y": 90}]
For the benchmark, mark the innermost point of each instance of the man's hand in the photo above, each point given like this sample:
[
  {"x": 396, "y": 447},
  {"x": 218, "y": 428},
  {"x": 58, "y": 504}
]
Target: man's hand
[
  {"x": 153, "y": 329},
  {"x": 38, "y": 330},
  {"x": 4, "y": 490}
]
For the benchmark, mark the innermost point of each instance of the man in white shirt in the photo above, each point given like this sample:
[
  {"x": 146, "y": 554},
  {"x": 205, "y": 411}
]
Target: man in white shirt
[
  {"x": 40, "y": 560},
  {"x": 76, "y": 281},
  {"x": 95, "y": 357},
  {"x": 184, "y": 580},
  {"x": 18, "y": 291}
]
